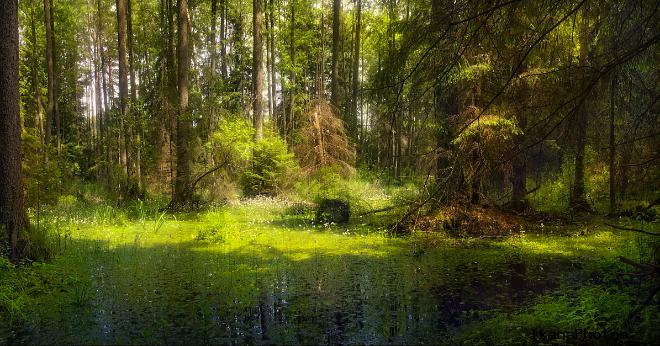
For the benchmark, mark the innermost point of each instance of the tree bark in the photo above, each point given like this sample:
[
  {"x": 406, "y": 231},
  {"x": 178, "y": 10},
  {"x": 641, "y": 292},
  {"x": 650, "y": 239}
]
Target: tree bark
[
  {"x": 50, "y": 106},
  {"x": 612, "y": 158},
  {"x": 320, "y": 71},
  {"x": 56, "y": 110},
  {"x": 98, "y": 97},
  {"x": 122, "y": 43},
  {"x": 137, "y": 162},
  {"x": 292, "y": 78},
  {"x": 182, "y": 194},
  {"x": 223, "y": 37},
  {"x": 172, "y": 92},
  {"x": 356, "y": 73},
  {"x": 212, "y": 44},
  {"x": 105, "y": 63},
  {"x": 35, "y": 80},
  {"x": 257, "y": 70},
  {"x": 210, "y": 95},
  {"x": 578, "y": 200},
  {"x": 164, "y": 129},
  {"x": 519, "y": 170},
  {"x": 334, "y": 84},
  {"x": 273, "y": 72},
  {"x": 269, "y": 74},
  {"x": 12, "y": 203}
]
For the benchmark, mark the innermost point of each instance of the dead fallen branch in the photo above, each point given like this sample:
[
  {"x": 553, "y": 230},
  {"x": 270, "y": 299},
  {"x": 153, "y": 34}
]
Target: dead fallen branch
[
  {"x": 631, "y": 229},
  {"x": 380, "y": 210},
  {"x": 648, "y": 268}
]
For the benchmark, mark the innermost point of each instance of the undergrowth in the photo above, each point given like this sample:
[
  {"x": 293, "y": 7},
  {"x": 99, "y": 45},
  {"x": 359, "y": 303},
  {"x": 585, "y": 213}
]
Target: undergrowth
[{"x": 557, "y": 279}]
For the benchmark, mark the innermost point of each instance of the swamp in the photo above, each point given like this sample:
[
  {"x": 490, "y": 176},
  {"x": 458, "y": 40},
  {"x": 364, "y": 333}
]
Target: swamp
[{"x": 329, "y": 172}]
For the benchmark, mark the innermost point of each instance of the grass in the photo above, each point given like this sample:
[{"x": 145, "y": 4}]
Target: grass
[{"x": 251, "y": 273}]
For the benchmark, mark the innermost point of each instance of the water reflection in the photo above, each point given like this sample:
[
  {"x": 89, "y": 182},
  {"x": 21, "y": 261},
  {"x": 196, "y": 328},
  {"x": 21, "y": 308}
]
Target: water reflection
[{"x": 183, "y": 295}]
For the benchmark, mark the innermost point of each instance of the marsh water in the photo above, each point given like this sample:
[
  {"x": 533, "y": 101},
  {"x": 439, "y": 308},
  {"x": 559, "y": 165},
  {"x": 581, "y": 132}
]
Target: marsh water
[{"x": 233, "y": 277}]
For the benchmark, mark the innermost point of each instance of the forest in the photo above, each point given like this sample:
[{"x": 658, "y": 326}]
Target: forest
[{"x": 330, "y": 172}]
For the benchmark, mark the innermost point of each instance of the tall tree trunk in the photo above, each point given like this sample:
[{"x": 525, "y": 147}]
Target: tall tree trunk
[
  {"x": 135, "y": 130},
  {"x": 105, "y": 64},
  {"x": 292, "y": 78},
  {"x": 223, "y": 37},
  {"x": 56, "y": 108},
  {"x": 182, "y": 193},
  {"x": 334, "y": 83},
  {"x": 12, "y": 203},
  {"x": 518, "y": 182},
  {"x": 363, "y": 143},
  {"x": 122, "y": 43},
  {"x": 164, "y": 129},
  {"x": 446, "y": 105},
  {"x": 356, "y": 72},
  {"x": 257, "y": 70},
  {"x": 612, "y": 157},
  {"x": 212, "y": 44},
  {"x": 320, "y": 82},
  {"x": 578, "y": 200},
  {"x": 50, "y": 106},
  {"x": 268, "y": 66},
  {"x": 519, "y": 170},
  {"x": 273, "y": 72},
  {"x": 35, "y": 80},
  {"x": 210, "y": 95},
  {"x": 172, "y": 93},
  {"x": 98, "y": 97},
  {"x": 396, "y": 146}
]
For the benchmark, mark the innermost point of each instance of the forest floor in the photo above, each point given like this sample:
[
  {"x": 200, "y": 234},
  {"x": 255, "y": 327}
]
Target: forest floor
[{"x": 255, "y": 272}]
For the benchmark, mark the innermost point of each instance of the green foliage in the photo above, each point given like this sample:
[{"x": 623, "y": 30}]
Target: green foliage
[
  {"x": 553, "y": 193},
  {"x": 232, "y": 141},
  {"x": 12, "y": 305},
  {"x": 42, "y": 178},
  {"x": 363, "y": 190},
  {"x": 229, "y": 146},
  {"x": 490, "y": 129},
  {"x": 469, "y": 72},
  {"x": 594, "y": 309},
  {"x": 239, "y": 247},
  {"x": 271, "y": 168},
  {"x": 42, "y": 245},
  {"x": 13, "y": 296}
]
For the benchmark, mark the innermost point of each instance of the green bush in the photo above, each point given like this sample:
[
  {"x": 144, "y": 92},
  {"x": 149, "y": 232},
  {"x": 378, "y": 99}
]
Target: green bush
[
  {"x": 270, "y": 169},
  {"x": 593, "y": 309},
  {"x": 12, "y": 300},
  {"x": 232, "y": 142}
]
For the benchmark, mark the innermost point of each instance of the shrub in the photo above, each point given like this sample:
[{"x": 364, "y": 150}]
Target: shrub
[
  {"x": 231, "y": 146},
  {"x": 270, "y": 169},
  {"x": 592, "y": 309},
  {"x": 232, "y": 142},
  {"x": 323, "y": 140}
]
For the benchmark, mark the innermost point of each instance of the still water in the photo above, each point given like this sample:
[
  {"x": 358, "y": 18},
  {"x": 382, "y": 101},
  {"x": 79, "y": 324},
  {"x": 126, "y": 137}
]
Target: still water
[{"x": 261, "y": 285}]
